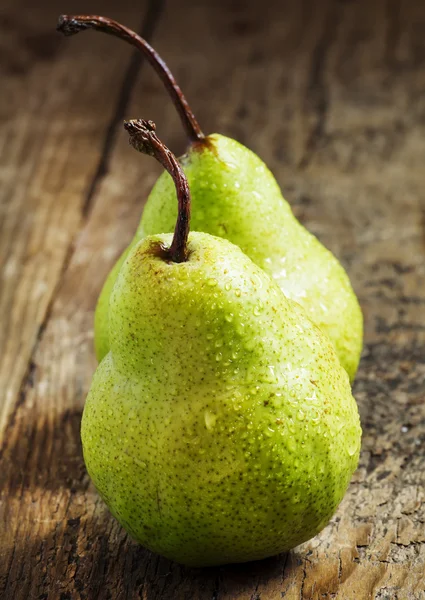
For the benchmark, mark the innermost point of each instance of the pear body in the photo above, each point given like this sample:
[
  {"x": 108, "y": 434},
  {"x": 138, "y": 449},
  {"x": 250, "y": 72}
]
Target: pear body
[
  {"x": 220, "y": 427},
  {"x": 236, "y": 197},
  {"x": 101, "y": 315}
]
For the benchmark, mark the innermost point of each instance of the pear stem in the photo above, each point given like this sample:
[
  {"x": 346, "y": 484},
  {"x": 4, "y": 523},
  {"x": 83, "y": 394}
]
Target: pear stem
[
  {"x": 72, "y": 24},
  {"x": 144, "y": 139}
]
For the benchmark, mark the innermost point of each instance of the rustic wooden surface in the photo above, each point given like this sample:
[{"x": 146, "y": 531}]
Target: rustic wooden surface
[{"x": 332, "y": 95}]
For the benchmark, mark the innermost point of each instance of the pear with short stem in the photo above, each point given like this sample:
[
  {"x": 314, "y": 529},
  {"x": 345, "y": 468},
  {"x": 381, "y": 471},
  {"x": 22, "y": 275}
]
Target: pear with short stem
[{"x": 220, "y": 427}]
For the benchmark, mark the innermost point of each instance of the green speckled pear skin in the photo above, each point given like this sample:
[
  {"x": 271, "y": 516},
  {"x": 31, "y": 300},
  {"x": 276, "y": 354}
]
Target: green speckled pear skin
[
  {"x": 101, "y": 315},
  {"x": 235, "y": 196},
  {"x": 220, "y": 427}
]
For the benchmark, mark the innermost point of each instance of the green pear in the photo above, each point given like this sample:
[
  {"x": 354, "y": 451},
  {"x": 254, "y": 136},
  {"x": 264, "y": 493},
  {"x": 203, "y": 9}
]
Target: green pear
[
  {"x": 235, "y": 196},
  {"x": 220, "y": 427}
]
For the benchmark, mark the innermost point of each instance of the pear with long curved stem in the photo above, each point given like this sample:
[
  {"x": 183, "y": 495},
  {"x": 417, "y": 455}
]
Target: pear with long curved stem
[
  {"x": 220, "y": 427},
  {"x": 235, "y": 196}
]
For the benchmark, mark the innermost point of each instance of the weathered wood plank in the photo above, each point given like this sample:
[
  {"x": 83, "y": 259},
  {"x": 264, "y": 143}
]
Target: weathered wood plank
[
  {"x": 51, "y": 97},
  {"x": 54, "y": 143},
  {"x": 331, "y": 97}
]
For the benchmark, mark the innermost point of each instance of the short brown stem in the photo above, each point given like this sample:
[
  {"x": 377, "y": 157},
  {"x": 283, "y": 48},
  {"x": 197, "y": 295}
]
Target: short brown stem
[
  {"x": 72, "y": 24},
  {"x": 144, "y": 139}
]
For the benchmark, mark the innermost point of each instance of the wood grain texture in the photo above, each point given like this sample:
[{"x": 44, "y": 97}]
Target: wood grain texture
[{"x": 331, "y": 96}]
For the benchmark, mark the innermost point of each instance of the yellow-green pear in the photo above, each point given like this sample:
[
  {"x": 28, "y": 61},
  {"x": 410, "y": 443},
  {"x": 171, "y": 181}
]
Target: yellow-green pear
[{"x": 220, "y": 426}]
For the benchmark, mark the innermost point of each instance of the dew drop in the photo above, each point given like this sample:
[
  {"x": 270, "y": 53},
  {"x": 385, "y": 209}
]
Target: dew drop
[
  {"x": 314, "y": 415},
  {"x": 269, "y": 432},
  {"x": 300, "y": 415},
  {"x": 352, "y": 447},
  {"x": 210, "y": 419},
  {"x": 240, "y": 328},
  {"x": 250, "y": 344},
  {"x": 340, "y": 425},
  {"x": 291, "y": 444},
  {"x": 291, "y": 425},
  {"x": 139, "y": 462}
]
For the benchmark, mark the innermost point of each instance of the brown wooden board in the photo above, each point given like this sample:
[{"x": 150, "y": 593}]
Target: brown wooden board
[{"x": 332, "y": 96}]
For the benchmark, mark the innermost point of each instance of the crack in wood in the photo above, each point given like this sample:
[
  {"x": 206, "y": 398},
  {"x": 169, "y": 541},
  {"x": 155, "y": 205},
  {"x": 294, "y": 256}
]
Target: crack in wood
[
  {"x": 393, "y": 31},
  {"x": 304, "y": 576},
  {"x": 216, "y": 590},
  {"x": 422, "y": 226},
  {"x": 147, "y": 28},
  {"x": 339, "y": 568},
  {"x": 317, "y": 88}
]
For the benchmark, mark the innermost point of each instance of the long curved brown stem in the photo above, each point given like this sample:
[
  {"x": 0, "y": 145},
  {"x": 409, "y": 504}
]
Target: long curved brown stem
[
  {"x": 144, "y": 139},
  {"x": 72, "y": 24}
]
